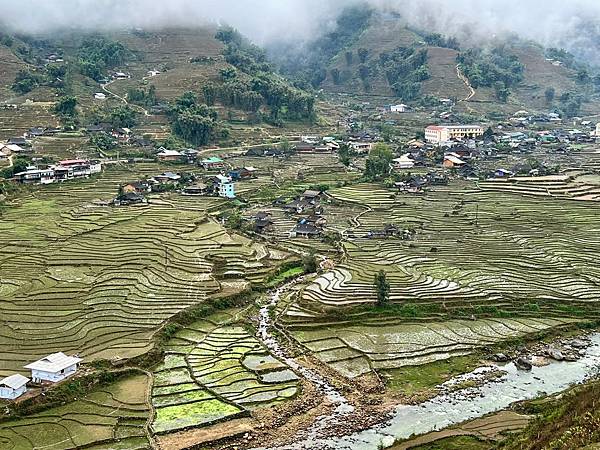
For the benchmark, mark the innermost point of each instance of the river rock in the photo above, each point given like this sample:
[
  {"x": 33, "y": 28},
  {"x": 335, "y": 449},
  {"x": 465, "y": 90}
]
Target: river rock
[
  {"x": 578, "y": 343},
  {"x": 555, "y": 354},
  {"x": 500, "y": 357},
  {"x": 523, "y": 364}
]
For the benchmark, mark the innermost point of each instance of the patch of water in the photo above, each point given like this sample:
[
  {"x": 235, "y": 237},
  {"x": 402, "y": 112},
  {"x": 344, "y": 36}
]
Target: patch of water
[{"x": 451, "y": 409}]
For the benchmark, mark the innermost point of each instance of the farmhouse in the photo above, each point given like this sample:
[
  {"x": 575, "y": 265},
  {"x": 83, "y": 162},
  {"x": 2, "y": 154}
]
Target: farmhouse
[
  {"x": 167, "y": 177},
  {"x": 18, "y": 141},
  {"x": 99, "y": 96},
  {"x": 129, "y": 198},
  {"x": 168, "y": 155},
  {"x": 401, "y": 108},
  {"x": 305, "y": 230},
  {"x": 212, "y": 163},
  {"x": 9, "y": 149},
  {"x": 196, "y": 189},
  {"x": 452, "y": 160},
  {"x": 436, "y": 134},
  {"x": 361, "y": 147},
  {"x": 13, "y": 387},
  {"x": 404, "y": 162},
  {"x": 55, "y": 367},
  {"x": 137, "y": 186},
  {"x": 35, "y": 176}
]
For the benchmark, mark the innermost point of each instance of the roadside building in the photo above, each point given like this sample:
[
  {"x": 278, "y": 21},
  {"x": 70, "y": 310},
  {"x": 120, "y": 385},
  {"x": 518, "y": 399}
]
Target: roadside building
[
  {"x": 403, "y": 162},
  {"x": 55, "y": 367},
  {"x": 168, "y": 155},
  {"x": 212, "y": 163},
  {"x": 13, "y": 387},
  {"x": 226, "y": 187},
  {"x": 437, "y": 134}
]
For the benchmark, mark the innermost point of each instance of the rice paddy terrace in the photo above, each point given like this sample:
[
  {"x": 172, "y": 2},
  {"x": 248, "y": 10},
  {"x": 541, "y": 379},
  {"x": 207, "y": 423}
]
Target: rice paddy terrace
[
  {"x": 100, "y": 281},
  {"x": 111, "y": 417},
  {"x": 519, "y": 264},
  {"x": 215, "y": 370}
]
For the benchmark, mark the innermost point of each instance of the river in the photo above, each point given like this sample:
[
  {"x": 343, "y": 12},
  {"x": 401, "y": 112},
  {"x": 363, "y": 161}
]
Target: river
[{"x": 441, "y": 411}]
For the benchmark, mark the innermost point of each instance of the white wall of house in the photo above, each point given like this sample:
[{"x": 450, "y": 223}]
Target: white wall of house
[
  {"x": 40, "y": 375},
  {"x": 10, "y": 393},
  {"x": 227, "y": 190}
]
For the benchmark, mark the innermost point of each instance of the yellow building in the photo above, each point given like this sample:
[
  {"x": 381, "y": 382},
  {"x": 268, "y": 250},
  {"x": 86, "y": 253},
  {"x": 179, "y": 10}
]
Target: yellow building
[{"x": 443, "y": 133}]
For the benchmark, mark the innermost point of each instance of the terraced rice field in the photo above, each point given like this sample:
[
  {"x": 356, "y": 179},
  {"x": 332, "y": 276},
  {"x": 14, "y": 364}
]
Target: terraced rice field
[
  {"x": 113, "y": 417},
  {"x": 216, "y": 370},
  {"x": 509, "y": 260},
  {"x": 99, "y": 281},
  {"x": 559, "y": 186},
  {"x": 379, "y": 344},
  {"x": 470, "y": 246}
]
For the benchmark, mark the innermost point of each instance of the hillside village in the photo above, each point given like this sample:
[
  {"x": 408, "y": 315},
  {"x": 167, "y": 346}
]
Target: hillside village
[{"x": 384, "y": 237}]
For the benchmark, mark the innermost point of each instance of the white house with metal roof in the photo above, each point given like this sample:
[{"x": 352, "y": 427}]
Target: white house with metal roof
[
  {"x": 13, "y": 387},
  {"x": 55, "y": 367}
]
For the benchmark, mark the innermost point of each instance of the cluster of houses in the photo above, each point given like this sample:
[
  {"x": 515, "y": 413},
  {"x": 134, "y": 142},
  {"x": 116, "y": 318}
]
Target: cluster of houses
[
  {"x": 63, "y": 171},
  {"x": 305, "y": 208},
  {"x": 50, "y": 369},
  {"x": 22, "y": 144},
  {"x": 221, "y": 184}
]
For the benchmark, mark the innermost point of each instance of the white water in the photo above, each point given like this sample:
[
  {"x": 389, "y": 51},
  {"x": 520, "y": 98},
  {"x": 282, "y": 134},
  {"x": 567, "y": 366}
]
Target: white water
[
  {"x": 447, "y": 410},
  {"x": 437, "y": 413},
  {"x": 342, "y": 406}
]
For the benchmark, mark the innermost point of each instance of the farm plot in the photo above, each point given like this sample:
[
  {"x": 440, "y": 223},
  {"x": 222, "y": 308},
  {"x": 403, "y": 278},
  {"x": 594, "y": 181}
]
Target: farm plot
[
  {"x": 112, "y": 417},
  {"x": 215, "y": 370},
  {"x": 470, "y": 248},
  {"x": 358, "y": 349},
  {"x": 99, "y": 281}
]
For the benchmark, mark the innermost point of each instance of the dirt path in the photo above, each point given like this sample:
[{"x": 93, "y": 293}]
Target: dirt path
[
  {"x": 461, "y": 76},
  {"x": 123, "y": 99},
  {"x": 465, "y": 80}
]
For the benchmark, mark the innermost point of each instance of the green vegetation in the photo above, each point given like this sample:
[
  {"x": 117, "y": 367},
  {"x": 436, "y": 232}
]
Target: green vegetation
[
  {"x": 419, "y": 379},
  {"x": 51, "y": 75},
  {"x": 405, "y": 68},
  {"x": 259, "y": 86},
  {"x": 382, "y": 288},
  {"x": 97, "y": 54},
  {"x": 378, "y": 164},
  {"x": 195, "y": 123},
  {"x": 308, "y": 66},
  {"x": 566, "y": 422},
  {"x": 497, "y": 69},
  {"x": 457, "y": 443},
  {"x": 112, "y": 415},
  {"x": 141, "y": 96}
]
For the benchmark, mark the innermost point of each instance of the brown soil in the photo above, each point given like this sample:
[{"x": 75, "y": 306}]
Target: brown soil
[
  {"x": 192, "y": 438},
  {"x": 488, "y": 428}
]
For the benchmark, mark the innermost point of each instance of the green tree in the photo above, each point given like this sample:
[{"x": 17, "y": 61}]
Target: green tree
[
  {"x": 309, "y": 263},
  {"x": 66, "y": 106},
  {"x": 378, "y": 164},
  {"x": 344, "y": 154},
  {"x": 488, "y": 134},
  {"x": 349, "y": 57},
  {"x": 363, "y": 54},
  {"x": 382, "y": 288},
  {"x": 549, "y": 94},
  {"x": 335, "y": 75}
]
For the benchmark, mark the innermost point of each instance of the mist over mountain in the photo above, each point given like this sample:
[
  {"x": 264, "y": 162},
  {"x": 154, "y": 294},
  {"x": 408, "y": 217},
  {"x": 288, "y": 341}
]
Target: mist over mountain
[{"x": 572, "y": 25}]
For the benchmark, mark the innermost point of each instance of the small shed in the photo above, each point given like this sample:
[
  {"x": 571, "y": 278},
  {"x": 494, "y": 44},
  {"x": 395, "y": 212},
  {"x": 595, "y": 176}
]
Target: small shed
[
  {"x": 13, "y": 387},
  {"x": 55, "y": 367}
]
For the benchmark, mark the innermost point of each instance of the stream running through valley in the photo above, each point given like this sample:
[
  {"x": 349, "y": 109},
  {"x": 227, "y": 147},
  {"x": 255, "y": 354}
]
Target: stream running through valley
[
  {"x": 438, "y": 413},
  {"x": 269, "y": 339}
]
